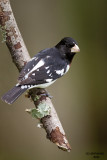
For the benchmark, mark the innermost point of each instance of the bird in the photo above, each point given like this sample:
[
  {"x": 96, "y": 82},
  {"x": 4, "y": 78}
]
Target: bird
[{"x": 44, "y": 68}]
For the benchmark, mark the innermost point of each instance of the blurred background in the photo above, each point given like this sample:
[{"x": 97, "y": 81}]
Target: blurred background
[{"x": 80, "y": 97}]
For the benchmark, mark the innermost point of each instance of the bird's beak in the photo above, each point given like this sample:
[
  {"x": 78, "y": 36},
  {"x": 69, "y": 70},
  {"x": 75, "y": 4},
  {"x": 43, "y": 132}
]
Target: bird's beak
[{"x": 75, "y": 49}]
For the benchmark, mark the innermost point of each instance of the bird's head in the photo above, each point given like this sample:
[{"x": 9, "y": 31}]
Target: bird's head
[{"x": 68, "y": 46}]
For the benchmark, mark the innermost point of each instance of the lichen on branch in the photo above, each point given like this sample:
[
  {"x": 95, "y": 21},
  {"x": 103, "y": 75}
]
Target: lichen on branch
[{"x": 3, "y": 33}]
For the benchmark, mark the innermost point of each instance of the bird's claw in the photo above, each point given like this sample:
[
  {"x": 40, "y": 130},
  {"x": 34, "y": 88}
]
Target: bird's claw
[{"x": 47, "y": 94}]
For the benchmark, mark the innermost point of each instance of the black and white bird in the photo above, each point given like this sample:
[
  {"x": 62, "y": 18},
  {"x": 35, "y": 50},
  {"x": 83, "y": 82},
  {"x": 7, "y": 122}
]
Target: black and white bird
[{"x": 44, "y": 68}]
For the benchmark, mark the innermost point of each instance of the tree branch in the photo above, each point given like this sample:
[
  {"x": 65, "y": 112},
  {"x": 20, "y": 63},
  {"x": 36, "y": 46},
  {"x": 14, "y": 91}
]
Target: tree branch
[{"x": 20, "y": 55}]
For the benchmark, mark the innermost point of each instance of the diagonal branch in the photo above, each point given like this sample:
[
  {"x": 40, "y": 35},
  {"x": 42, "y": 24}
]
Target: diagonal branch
[{"x": 20, "y": 56}]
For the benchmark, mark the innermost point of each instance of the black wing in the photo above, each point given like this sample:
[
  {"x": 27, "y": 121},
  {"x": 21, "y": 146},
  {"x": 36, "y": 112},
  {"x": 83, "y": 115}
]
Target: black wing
[
  {"x": 28, "y": 67},
  {"x": 53, "y": 67}
]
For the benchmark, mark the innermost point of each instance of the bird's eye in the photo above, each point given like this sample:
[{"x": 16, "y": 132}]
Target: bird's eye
[{"x": 68, "y": 45}]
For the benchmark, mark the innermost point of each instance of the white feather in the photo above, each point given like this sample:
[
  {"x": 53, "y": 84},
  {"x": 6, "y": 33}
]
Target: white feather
[
  {"x": 67, "y": 68},
  {"x": 48, "y": 80},
  {"x": 48, "y": 71},
  {"x": 46, "y": 67},
  {"x": 60, "y": 72},
  {"x": 38, "y": 65}
]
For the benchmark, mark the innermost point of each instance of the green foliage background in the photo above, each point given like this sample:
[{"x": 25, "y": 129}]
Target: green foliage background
[{"x": 80, "y": 97}]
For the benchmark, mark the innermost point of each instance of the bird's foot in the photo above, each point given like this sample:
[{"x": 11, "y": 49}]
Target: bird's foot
[{"x": 47, "y": 94}]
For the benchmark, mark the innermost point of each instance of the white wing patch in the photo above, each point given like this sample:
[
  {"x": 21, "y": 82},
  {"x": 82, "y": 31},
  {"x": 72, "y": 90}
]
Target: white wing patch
[
  {"x": 50, "y": 75},
  {"x": 48, "y": 80},
  {"x": 46, "y": 67},
  {"x": 47, "y": 56},
  {"x": 38, "y": 65},
  {"x": 67, "y": 68},
  {"x": 48, "y": 71},
  {"x": 60, "y": 72},
  {"x": 24, "y": 86}
]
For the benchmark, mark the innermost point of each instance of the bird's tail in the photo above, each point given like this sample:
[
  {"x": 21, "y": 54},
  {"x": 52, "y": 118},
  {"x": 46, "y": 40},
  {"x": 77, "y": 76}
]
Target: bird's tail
[{"x": 13, "y": 94}]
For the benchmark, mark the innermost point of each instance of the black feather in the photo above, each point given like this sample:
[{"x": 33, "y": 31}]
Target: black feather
[{"x": 13, "y": 94}]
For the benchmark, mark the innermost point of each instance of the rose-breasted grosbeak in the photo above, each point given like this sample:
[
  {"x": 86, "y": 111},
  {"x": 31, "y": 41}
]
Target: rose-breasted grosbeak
[{"x": 44, "y": 68}]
